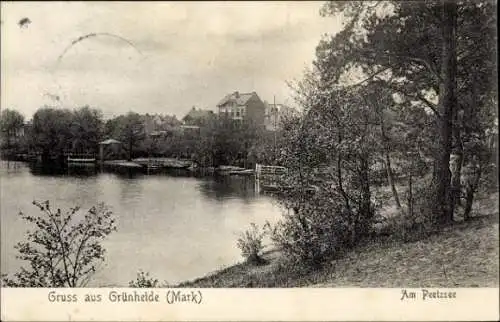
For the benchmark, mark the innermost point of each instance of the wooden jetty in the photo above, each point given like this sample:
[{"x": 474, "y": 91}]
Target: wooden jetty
[
  {"x": 123, "y": 164},
  {"x": 80, "y": 160},
  {"x": 269, "y": 170},
  {"x": 268, "y": 178},
  {"x": 163, "y": 163},
  {"x": 147, "y": 165},
  {"x": 227, "y": 169},
  {"x": 245, "y": 172}
]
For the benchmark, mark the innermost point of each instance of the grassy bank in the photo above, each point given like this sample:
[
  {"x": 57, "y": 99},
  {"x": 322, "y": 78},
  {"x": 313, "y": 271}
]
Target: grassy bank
[{"x": 462, "y": 255}]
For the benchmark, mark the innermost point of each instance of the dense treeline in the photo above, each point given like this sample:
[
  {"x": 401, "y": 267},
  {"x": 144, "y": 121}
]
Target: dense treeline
[{"x": 54, "y": 132}]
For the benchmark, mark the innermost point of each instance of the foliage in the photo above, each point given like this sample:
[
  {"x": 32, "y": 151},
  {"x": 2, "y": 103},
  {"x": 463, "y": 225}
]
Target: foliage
[
  {"x": 250, "y": 244},
  {"x": 366, "y": 101},
  {"x": 55, "y": 131},
  {"x": 86, "y": 129},
  {"x": 216, "y": 141},
  {"x": 314, "y": 229},
  {"x": 328, "y": 151},
  {"x": 377, "y": 43},
  {"x": 232, "y": 141},
  {"x": 64, "y": 249},
  {"x": 51, "y": 130},
  {"x": 144, "y": 280},
  {"x": 11, "y": 121},
  {"x": 127, "y": 128}
]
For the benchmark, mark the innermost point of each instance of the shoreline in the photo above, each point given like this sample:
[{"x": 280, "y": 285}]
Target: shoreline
[{"x": 411, "y": 264}]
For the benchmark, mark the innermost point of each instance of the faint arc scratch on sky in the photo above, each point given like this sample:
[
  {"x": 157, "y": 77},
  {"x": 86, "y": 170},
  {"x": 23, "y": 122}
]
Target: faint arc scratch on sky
[
  {"x": 95, "y": 34},
  {"x": 192, "y": 54},
  {"x": 57, "y": 96}
]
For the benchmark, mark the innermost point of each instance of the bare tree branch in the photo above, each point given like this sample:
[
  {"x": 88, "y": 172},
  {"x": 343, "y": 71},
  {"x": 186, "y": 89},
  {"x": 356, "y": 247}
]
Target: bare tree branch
[
  {"x": 416, "y": 96},
  {"x": 369, "y": 77}
]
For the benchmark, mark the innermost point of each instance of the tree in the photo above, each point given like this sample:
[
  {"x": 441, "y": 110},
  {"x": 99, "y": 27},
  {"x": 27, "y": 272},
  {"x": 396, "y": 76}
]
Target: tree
[
  {"x": 364, "y": 98},
  {"x": 127, "y": 128},
  {"x": 379, "y": 40},
  {"x": 86, "y": 129},
  {"x": 11, "y": 121},
  {"x": 229, "y": 142},
  {"x": 64, "y": 249},
  {"x": 50, "y": 132},
  {"x": 329, "y": 151}
]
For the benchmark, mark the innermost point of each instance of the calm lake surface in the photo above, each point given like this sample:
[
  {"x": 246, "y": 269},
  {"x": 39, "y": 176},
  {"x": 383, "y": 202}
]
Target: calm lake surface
[{"x": 175, "y": 227}]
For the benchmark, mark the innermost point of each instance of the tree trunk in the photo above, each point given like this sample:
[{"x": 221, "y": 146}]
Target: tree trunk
[
  {"x": 340, "y": 184},
  {"x": 456, "y": 172},
  {"x": 365, "y": 212},
  {"x": 130, "y": 150},
  {"x": 390, "y": 174},
  {"x": 390, "y": 178},
  {"x": 9, "y": 139},
  {"x": 410, "y": 196},
  {"x": 469, "y": 199},
  {"x": 458, "y": 153},
  {"x": 471, "y": 188},
  {"x": 447, "y": 102}
]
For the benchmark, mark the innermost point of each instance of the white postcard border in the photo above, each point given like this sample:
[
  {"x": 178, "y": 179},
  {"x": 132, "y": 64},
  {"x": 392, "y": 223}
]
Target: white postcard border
[{"x": 295, "y": 304}]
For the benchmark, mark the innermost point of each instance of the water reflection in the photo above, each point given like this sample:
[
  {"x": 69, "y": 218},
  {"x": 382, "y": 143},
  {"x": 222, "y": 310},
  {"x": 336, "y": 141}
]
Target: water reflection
[
  {"x": 40, "y": 169},
  {"x": 223, "y": 187},
  {"x": 12, "y": 167},
  {"x": 174, "y": 225},
  {"x": 130, "y": 189}
]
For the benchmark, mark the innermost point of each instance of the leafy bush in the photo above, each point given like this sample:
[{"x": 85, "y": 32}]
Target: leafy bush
[
  {"x": 144, "y": 280},
  {"x": 416, "y": 219},
  {"x": 314, "y": 229},
  {"x": 419, "y": 218},
  {"x": 250, "y": 244},
  {"x": 64, "y": 249}
]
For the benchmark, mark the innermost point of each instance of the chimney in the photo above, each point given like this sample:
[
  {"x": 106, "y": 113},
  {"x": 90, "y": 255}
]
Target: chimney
[{"x": 237, "y": 94}]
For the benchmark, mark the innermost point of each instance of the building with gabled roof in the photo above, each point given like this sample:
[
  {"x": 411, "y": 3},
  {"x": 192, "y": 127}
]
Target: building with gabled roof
[{"x": 242, "y": 107}]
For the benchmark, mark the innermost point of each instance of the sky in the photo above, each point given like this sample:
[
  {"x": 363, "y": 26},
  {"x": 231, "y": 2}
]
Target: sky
[{"x": 183, "y": 54}]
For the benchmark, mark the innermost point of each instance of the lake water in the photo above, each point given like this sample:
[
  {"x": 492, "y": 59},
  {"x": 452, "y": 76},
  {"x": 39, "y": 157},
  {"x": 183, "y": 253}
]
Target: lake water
[{"x": 175, "y": 227}]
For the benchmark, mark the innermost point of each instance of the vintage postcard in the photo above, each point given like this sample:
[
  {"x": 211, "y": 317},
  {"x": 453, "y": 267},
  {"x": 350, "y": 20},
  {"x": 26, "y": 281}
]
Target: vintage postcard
[{"x": 224, "y": 161}]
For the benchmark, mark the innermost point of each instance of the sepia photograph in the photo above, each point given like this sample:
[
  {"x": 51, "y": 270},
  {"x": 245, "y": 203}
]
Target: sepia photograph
[{"x": 236, "y": 145}]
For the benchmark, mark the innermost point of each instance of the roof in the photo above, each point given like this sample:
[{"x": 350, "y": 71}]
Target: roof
[
  {"x": 195, "y": 114},
  {"x": 236, "y": 97},
  {"x": 110, "y": 141}
]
